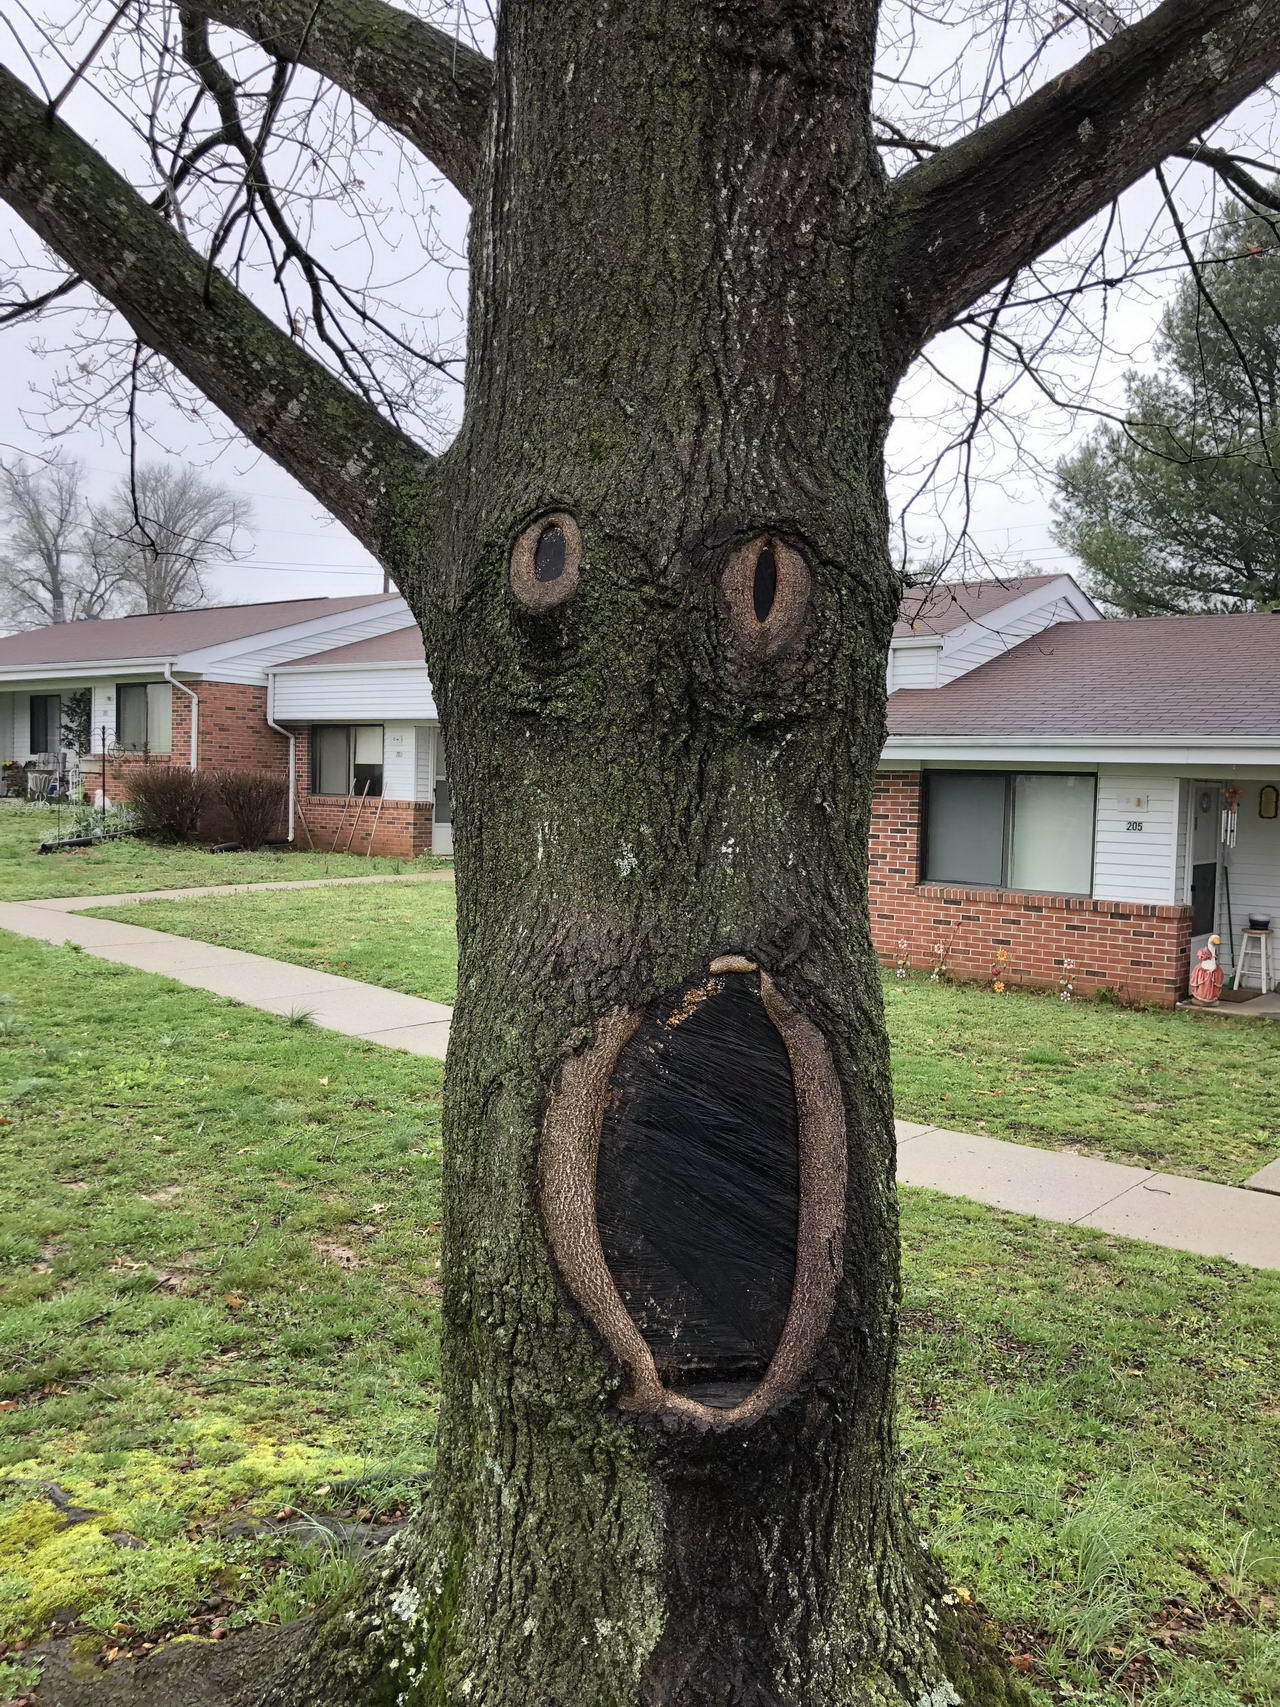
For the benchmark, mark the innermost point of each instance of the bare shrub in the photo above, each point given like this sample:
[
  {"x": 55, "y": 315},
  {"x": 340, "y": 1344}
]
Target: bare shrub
[
  {"x": 167, "y": 801},
  {"x": 253, "y": 801}
]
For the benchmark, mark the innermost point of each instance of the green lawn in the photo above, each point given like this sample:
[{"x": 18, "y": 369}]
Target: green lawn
[
  {"x": 1160, "y": 1090},
  {"x": 218, "y": 1300},
  {"x": 398, "y": 935},
  {"x": 117, "y": 867}
]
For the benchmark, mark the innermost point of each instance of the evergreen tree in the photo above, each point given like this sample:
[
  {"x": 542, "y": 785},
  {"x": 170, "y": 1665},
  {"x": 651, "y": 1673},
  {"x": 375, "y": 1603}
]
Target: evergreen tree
[{"x": 1178, "y": 509}]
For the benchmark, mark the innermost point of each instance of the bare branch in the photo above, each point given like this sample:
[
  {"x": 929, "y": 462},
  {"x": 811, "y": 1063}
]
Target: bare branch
[
  {"x": 336, "y": 444},
  {"x": 433, "y": 90},
  {"x": 1234, "y": 172},
  {"x": 990, "y": 203}
]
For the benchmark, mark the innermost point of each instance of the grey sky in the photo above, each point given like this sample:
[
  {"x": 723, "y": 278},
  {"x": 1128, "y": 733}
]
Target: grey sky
[{"x": 297, "y": 549}]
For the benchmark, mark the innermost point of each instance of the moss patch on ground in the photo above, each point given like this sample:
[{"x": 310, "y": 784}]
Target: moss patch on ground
[
  {"x": 218, "y": 1285},
  {"x": 1155, "y": 1089}
]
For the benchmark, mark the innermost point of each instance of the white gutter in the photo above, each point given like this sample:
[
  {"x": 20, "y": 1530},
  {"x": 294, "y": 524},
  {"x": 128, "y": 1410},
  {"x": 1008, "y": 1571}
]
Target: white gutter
[
  {"x": 289, "y": 737},
  {"x": 194, "y": 697}
]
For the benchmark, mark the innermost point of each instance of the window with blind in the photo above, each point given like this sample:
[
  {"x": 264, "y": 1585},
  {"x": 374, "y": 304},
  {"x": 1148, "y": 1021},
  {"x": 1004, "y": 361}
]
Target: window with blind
[
  {"x": 346, "y": 759},
  {"x": 1011, "y": 830},
  {"x": 144, "y": 717}
]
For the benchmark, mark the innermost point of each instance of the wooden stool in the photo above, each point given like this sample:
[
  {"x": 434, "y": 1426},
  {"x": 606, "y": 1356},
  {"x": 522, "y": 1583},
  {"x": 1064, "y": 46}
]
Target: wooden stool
[{"x": 1261, "y": 941}]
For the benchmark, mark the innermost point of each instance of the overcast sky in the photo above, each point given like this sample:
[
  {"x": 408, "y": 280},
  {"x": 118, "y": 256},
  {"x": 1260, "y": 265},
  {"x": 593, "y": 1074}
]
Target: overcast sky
[{"x": 296, "y": 549}]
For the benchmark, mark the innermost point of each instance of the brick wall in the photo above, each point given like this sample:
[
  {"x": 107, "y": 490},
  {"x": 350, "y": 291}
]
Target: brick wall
[
  {"x": 232, "y": 734},
  {"x": 234, "y": 731},
  {"x": 1140, "y": 951},
  {"x": 401, "y": 829}
]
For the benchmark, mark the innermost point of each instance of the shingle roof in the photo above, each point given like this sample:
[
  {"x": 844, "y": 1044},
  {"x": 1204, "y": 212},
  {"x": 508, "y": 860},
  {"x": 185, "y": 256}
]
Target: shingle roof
[
  {"x": 950, "y": 604},
  {"x": 168, "y": 635},
  {"x": 401, "y": 646},
  {"x": 1164, "y": 675}
]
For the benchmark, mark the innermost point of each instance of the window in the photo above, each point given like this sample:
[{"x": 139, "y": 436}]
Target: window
[
  {"x": 144, "y": 717},
  {"x": 346, "y": 758},
  {"x": 1018, "y": 830},
  {"x": 46, "y": 722}
]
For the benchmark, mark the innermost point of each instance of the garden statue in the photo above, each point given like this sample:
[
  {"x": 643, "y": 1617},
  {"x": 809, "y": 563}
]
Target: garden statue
[{"x": 1206, "y": 974}]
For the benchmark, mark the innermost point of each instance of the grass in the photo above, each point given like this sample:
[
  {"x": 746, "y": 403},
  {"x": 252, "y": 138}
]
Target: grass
[
  {"x": 1153, "y": 1088},
  {"x": 216, "y": 1250},
  {"x": 1156, "y": 1089},
  {"x": 118, "y": 867},
  {"x": 218, "y": 1271},
  {"x": 398, "y": 935}
]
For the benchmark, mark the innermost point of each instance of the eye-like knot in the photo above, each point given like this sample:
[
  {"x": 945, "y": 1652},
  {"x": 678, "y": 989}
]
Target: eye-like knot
[
  {"x": 766, "y": 589},
  {"x": 546, "y": 561}
]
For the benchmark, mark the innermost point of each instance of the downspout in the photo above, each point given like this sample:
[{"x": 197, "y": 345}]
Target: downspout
[
  {"x": 193, "y": 762},
  {"x": 289, "y": 737}
]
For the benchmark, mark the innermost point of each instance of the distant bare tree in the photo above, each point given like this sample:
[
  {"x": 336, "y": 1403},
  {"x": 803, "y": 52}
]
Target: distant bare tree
[
  {"x": 165, "y": 526},
  {"x": 50, "y": 569}
]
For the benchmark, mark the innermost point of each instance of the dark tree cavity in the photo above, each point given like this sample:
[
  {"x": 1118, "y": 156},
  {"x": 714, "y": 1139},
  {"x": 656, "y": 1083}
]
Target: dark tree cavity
[
  {"x": 653, "y": 579},
  {"x": 698, "y": 1188}
]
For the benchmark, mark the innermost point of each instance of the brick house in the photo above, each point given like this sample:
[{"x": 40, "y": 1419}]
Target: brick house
[
  {"x": 1085, "y": 803},
  {"x": 367, "y": 763},
  {"x": 183, "y": 686},
  {"x": 1060, "y": 800}
]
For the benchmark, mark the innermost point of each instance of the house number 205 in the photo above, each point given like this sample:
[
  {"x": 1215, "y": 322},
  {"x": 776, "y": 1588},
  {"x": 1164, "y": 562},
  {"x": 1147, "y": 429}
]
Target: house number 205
[{"x": 1134, "y": 824}]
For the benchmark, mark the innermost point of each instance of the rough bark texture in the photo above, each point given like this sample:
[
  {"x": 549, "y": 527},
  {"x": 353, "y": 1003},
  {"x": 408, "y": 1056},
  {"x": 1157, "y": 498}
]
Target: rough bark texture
[
  {"x": 687, "y": 321},
  {"x": 676, "y": 215}
]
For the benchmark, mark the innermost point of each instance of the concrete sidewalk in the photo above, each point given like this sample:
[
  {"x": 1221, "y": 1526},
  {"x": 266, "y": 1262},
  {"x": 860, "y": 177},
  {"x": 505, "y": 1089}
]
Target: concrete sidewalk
[
  {"x": 338, "y": 1004},
  {"x": 1080, "y": 1191}
]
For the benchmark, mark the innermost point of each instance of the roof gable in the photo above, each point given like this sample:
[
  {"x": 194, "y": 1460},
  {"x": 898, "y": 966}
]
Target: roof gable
[
  {"x": 1172, "y": 676},
  {"x": 168, "y": 635},
  {"x": 946, "y": 605}
]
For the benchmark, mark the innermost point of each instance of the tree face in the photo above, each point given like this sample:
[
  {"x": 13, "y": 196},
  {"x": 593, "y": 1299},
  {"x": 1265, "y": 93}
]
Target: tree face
[{"x": 653, "y": 580}]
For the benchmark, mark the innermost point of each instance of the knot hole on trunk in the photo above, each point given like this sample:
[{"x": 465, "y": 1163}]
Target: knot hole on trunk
[
  {"x": 546, "y": 561},
  {"x": 766, "y": 592}
]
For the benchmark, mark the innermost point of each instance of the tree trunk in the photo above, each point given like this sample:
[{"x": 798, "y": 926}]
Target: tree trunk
[{"x": 662, "y": 750}]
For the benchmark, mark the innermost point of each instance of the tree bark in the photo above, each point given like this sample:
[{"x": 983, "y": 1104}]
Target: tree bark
[{"x": 675, "y": 216}]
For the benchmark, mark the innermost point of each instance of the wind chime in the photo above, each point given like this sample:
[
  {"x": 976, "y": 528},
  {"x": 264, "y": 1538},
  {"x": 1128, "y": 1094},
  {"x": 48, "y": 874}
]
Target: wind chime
[{"x": 1230, "y": 814}]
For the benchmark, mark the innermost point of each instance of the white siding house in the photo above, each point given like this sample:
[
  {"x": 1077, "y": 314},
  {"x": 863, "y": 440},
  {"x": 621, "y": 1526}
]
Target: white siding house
[{"x": 1185, "y": 761}]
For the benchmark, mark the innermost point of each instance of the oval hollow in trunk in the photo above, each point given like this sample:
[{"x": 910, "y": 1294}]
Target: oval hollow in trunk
[{"x": 693, "y": 1189}]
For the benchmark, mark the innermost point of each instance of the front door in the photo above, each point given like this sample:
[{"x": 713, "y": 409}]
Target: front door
[
  {"x": 1206, "y": 802},
  {"x": 1204, "y": 897}
]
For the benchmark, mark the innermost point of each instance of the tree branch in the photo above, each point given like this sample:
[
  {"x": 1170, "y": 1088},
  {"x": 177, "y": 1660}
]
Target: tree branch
[
  {"x": 987, "y": 205},
  {"x": 1233, "y": 172},
  {"x": 336, "y": 444},
  {"x": 432, "y": 89}
]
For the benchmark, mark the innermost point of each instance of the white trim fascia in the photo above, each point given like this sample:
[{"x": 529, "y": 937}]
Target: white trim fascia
[
  {"x": 202, "y": 657},
  {"x": 338, "y": 669},
  {"x": 1222, "y": 752},
  {"x": 17, "y": 679}
]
